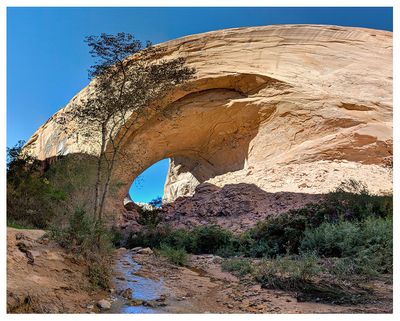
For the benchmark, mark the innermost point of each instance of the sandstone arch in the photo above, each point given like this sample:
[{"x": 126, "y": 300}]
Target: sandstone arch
[{"x": 287, "y": 108}]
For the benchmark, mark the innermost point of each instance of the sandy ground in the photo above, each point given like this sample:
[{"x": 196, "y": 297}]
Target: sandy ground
[
  {"x": 42, "y": 278},
  {"x": 204, "y": 288}
]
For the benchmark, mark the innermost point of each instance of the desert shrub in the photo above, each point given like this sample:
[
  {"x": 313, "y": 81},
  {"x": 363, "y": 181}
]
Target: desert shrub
[
  {"x": 38, "y": 196},
  {"x": 20, "y": 225},
  {"x": 174, "y": 256},
  {"x": 333, "y": 239},
  {"x": 283, "y": 234},
  {"x": 310, "y": 280},
  {"x": 351, "y": 233},
  {"x": 32, "y": 202},
  {"x": 375, "y": 256},
  {"x": 231, "y": 249},
  {"x": 287, "y": 273},
  {"x": 155, "y": 237},
  {"x": 352, "y": 201},
  {"x": 275, "y": 236},
  {"x": 99, "y": 270},
  {"x": 210, "y": 239},
  {"x": 117, "y": 237},
  {"x": 200, "y": 240},
  {"x": 343, "y": 268},
  {"x": 149, "y": 217},
  {"x": 237, "y": 266},
  {"x": 87, "y": 238},
  {"x": 74, "y": 175},
  {"x": 148, "y": 237},
  {"x": 77, "y": 236},
  {"x": 348, "y": 238},
  {"x": 180, "y": 239},
  {"x": 31, "y": 198},
  {"x": 365, "y": 247}
]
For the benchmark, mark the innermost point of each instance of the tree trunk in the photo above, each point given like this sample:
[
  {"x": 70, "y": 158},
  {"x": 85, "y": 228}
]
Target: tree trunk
[
  {"x": 107, "y": 183},
  {"x": 98, "y": 177}
]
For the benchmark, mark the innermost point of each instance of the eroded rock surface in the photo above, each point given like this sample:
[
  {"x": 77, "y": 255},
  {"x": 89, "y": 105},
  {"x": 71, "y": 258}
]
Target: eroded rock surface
[
  {"x": 288, "y": 108},
  {"x": 47, "y": 280},
  {"x": 236, "y": 207}
]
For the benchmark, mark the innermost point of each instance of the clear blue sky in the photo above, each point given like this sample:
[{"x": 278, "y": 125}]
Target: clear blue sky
[{"x": 47, "y": 60}]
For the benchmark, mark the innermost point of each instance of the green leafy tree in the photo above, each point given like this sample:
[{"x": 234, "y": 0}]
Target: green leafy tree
[{"x": 127, "y": 78}]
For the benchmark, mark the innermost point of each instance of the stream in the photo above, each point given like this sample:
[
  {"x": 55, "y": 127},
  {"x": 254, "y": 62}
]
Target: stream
[{"x": 143, "y": 289}]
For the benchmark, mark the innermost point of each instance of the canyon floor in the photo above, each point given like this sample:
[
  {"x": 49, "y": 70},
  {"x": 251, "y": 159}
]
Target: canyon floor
[
  {"x": 202, "y": 287},
  {"x": 42, "y": 278}
]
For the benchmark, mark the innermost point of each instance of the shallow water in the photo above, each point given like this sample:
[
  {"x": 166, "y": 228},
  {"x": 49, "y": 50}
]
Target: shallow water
[{"x": 142, "y": 288}]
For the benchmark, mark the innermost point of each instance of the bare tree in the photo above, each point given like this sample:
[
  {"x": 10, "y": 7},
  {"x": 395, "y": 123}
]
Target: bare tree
[{"x": 127, "y": 77}]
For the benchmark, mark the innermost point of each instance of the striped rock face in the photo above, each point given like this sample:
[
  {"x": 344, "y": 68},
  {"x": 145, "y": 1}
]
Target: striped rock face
[{"x": 288, "y": 108}]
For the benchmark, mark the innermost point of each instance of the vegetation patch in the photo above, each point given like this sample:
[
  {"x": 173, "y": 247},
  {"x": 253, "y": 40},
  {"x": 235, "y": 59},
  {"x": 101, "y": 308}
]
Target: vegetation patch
[
  {"x": 306, "y": 276},
  {"x": 174, "y": 256},
  {"x": 322, "y": 252},
  {"x": 238, "y": 266},
  {"x": 89, "y": 240},
  {"x": 149, "y": 217}
]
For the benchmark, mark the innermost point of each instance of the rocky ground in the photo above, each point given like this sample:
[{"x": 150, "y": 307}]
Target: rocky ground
[{"x": 202, "y": 287}]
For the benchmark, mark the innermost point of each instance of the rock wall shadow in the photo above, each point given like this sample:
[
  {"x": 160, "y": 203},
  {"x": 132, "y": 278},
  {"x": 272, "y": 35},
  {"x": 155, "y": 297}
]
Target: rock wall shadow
[{"x": 234, "y": 206}]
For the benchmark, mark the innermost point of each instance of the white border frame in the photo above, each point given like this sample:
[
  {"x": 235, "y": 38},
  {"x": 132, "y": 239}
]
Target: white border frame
[{"x": 198, "y": 3}]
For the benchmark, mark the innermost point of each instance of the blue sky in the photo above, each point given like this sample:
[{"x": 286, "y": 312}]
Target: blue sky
[{"x": 47, "y": 60}]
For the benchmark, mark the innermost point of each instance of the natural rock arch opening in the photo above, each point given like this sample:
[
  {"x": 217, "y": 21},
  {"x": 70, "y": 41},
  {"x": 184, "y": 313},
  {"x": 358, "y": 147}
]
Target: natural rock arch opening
[
  {"x": 204, "y": 134},
  {"x": 267, "y": 105},
  {"x": 149, "y": 185}
]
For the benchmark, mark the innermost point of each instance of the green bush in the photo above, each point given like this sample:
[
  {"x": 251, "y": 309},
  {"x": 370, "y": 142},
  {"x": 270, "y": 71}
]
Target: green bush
[
  {"x": 365, "y": 247},
  {"x": 150, "y": 218},
  {"x": 274, "y": 236},
  {"x": 38, "y": 196},
  {"x": 200, "y": 240},
  {"x": 174, "y": 256},
  {"x": 99, "y": 271},
  {"x": 87, "y": 238},
  {"x": 180, "y": 239},
  {"x": 30, "y": 196},
  {"x": 19, "y": 225},
  {"x": 333, "y": 240},
  {"x": 239, "y": 267},
  {"x": 210, "y": 239},
  {"x": 312, "y": 228},
  {"x": 287, "y": 273},
  {"x": 343, "y": 268},
  {"x": 284, "y": 234},
  {"x": 148, "y": 237},
  {"x": 117, "y": 237},
  {"x": 74, "y": 176},
  {"x": 375, "y": 256},
  {"x": 352, "y": 201},
  {"x": 310, "y": 280}
]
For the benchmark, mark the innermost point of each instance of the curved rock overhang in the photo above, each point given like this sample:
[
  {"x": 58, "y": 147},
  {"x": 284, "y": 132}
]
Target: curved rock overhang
[{"x": 288, "y": 108}]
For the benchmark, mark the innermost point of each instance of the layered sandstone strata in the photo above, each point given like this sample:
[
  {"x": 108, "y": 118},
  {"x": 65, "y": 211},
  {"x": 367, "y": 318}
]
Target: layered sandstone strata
[{"x": 294, "y": 108}]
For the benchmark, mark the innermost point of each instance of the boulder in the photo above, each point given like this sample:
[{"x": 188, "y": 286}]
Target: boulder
[
  {"x": 127, "y": 293},
  {"x": 146, "y": 251},
  {"x": 104, "y": 304}
]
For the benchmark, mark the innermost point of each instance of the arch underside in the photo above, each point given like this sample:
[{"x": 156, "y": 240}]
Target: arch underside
[{"x": 285, "y": 108}]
